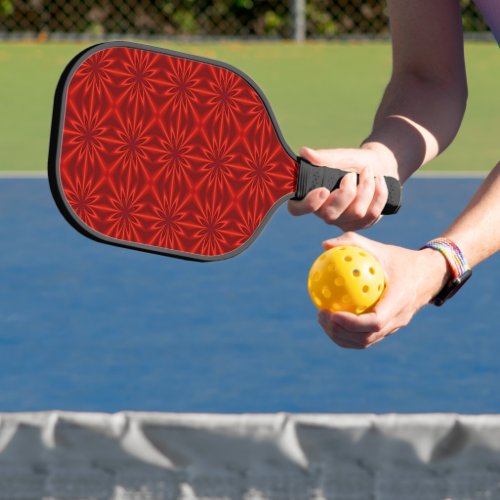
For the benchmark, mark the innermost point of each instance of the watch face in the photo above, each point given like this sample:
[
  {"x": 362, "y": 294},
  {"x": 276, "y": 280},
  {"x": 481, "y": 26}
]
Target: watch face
[{"x": 451, "y": 288}]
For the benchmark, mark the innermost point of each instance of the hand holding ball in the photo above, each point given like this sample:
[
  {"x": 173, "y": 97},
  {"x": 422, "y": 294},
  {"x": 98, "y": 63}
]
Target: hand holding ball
[{"x": 346, "y": 278}]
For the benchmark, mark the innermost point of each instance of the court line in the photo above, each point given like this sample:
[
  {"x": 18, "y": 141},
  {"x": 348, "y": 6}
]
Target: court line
[
  {"x": 452, "y": 174},
  {"x": 431, "y": 174},
  {"x": 23, "y": 174}
]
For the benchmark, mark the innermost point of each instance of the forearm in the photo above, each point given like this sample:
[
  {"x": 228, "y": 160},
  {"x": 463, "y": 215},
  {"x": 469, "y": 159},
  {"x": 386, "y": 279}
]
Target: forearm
[
  {"x": 416, "y": 120},
  {"x": 424, "y": 103},
  {"x": 477, "y": 230}
]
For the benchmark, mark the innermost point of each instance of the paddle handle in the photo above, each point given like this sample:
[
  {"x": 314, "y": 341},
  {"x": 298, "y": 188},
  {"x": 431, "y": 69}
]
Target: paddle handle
[{"x": 312, "y": 177}]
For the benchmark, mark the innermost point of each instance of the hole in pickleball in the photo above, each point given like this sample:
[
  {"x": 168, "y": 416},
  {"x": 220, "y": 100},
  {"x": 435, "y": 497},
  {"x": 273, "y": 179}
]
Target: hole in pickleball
[
  {"x": 327, "y": 293},
  {"x": 366, "y": 289},
  {"x": 379, "y": 287},
  {"x": 317, "y": 276},
  {"x": 339, "y": 281},
  {"x": 362, "y": 254},
  {"x": 346, "y": 299},
  {"x": 348, "y": 258},
  {"x": 356, "y": 273},
  {"x": 359, "y": 310},
  {"x": 372, "y": 270}
]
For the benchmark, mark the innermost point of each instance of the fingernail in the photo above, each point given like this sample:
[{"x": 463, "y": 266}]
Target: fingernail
[
  {"x": 324, "y": 194},
  {"x": 346, "y": 179}
]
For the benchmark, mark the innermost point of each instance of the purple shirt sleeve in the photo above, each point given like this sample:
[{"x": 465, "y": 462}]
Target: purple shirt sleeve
[{"x": 490, "y": 9}]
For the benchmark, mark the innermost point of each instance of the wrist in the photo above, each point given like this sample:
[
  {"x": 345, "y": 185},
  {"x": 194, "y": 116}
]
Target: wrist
[
  {"x": 437, "y": 273},
  {"x": 457, "y": 265},
  {"x": 386, "y": 156}
]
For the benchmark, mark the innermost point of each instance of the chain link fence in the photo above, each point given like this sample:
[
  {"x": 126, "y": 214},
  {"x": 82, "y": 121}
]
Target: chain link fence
[{"x": 206, "y": 18}]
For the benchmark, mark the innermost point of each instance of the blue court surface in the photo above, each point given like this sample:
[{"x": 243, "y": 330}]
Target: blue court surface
[{"x": 90, "y": 327}]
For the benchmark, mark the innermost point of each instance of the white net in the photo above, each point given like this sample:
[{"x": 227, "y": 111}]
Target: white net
[{"x": 155, "y": 456}]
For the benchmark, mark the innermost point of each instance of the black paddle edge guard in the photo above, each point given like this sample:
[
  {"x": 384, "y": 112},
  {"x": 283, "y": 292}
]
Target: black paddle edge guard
[
  {"x": 56, "y": 132},
  {"x": 312, "y": 177}
]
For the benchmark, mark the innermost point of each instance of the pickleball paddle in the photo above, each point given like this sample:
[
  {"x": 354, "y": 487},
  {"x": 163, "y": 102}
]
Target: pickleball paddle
[{"x": 171, "y": 153}]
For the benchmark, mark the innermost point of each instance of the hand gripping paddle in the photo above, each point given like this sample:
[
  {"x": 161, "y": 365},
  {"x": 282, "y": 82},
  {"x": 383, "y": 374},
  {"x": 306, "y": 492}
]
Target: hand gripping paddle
[{"x": 171, "y": 153}]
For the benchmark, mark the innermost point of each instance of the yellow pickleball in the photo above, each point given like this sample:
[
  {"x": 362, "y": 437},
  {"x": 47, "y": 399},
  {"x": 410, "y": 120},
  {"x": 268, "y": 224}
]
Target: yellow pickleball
[{"x": 346, "y": 278}]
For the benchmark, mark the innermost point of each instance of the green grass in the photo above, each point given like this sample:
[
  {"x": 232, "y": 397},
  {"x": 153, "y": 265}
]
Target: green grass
[{"x": 323, "y": 95}]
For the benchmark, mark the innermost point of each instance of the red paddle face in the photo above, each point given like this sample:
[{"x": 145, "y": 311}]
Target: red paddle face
[{"x": 165, "y": 152}]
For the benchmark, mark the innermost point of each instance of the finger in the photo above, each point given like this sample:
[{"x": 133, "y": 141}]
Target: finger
[
  {"x": 378, "y": 250},
  {"x": 342, "y": 340},
  {"x": 362, "y": 340},
  {"x": 338, "y": 334},
  {"x": 366, "y": 209},
  {"x": 365, "y": 191},
  {"x": 312, "y": 155},
  {"x": 384, "y": 319},
  {"x": 362, "y": 324},
  {"x": 375, "y": 339},
  {"x": 311, "y": 203},
  {"x": 393, "y": 332},
  {"x": 344, "y": 344},
  {"x": 338, "y": 201},
  {"x": 354, "y": 341},
  {"x": 374, "y": 342},
  {"x": 348, "y": 338},
  {"x": 380, "y": 196}
]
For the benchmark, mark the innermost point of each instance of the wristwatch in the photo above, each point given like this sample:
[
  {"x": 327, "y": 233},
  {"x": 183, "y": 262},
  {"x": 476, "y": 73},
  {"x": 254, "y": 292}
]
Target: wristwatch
[{"x": 460, "y": 270}]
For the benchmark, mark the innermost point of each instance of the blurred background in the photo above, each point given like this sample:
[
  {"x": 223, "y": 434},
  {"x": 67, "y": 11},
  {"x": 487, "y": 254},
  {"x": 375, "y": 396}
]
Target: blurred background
[
  {"x": 284, "y": 19},
  {"x": 345, "y": 63}
]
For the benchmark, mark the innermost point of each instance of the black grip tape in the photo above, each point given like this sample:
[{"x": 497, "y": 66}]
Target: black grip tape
[{"x": 312, "y": 177}]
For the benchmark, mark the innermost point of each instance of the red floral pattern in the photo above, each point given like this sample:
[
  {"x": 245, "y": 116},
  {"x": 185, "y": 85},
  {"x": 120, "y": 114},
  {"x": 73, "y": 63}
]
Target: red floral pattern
[{"x": 164, "y": 151}]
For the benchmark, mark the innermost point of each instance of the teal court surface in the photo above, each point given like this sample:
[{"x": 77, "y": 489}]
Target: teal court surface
[{"x": 90, "y": 327}]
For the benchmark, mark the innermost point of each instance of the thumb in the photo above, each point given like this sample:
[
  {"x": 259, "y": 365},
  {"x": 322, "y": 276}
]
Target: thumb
[
  {"x": 349, "y": 238},
  {"x": 377, "y": 249},
  {"x": 311, "y": 155},
  {"x": 352, "y": 159}
]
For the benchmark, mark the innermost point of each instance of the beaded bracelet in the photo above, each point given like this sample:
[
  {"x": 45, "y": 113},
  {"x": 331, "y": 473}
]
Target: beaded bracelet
[
  {"x": 459, "y": 267},
  {"x": 452, "y": 254}
]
